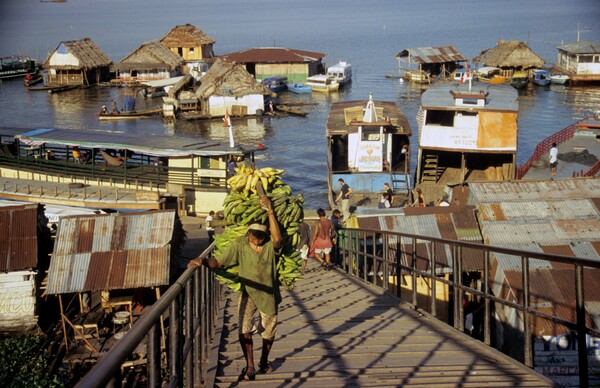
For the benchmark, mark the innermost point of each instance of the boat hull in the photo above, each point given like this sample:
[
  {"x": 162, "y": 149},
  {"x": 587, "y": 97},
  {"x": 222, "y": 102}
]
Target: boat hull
[
  {"x": 299, "y": 88},
  {"x": 132, "y": 115}
]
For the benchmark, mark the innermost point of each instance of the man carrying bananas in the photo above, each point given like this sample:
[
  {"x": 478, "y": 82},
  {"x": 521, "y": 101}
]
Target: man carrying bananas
[{"x": 256, "y": 256}]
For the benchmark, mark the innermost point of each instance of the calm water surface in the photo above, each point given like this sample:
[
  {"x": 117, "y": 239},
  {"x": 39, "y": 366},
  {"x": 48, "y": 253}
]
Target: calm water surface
[{"x": 366, "y": 34}]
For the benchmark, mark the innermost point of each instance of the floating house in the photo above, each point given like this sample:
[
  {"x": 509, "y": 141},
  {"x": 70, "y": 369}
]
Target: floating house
[
  {"x": 266, "y": 62},
  {"x": 510, "y": 57},
  {"x": 424, "y": 64},
  {"x": 467, "y": 133},
  {"x": 228, "y": 87},
  {"x": 580, "y": 61},
  {"x": 150, "y": 61},
  {"x": 77, "y": 63},
  {"x": 193, "y": 45}
]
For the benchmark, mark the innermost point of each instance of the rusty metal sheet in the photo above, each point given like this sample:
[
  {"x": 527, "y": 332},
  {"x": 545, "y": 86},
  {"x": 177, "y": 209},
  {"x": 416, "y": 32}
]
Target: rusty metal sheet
[
  {"x": 18, "y": 242},
  {"x": 273, "y": 55},
  {"x": 440, "y": 54},
  {"x": 111, "y": 251},
  {"x": 573, "y": 229}
]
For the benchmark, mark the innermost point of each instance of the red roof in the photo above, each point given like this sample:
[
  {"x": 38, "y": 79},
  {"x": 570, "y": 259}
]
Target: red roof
[
  {"x": 18, "y": 240},
  {"x": 273, "y": 55}
]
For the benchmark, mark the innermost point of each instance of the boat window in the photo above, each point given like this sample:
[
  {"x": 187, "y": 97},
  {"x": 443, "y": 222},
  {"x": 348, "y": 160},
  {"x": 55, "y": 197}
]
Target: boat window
[{"x": 440, "y": 117}]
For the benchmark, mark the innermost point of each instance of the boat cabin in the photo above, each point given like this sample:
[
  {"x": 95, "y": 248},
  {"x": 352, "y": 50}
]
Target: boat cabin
[
  {"x": 322, "y": 83},
  {"x": 467, "y": 133},
  {"x": 179, "y": 171},
  {"x": 341, "y": 72},
  {"x": 368, "y": 144}
]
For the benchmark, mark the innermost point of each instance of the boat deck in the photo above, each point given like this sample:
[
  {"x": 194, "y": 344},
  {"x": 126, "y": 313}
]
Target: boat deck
[{"x": 583, "y": 142}]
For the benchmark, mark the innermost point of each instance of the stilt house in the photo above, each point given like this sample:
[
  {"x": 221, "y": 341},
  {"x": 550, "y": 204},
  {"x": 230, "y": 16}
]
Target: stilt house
[
  {"x": 77, "y": 62},
  {"x": 150, "y": 61},
  {"x": 510, "y": 56},
  {"x": 193, "y": 45}
]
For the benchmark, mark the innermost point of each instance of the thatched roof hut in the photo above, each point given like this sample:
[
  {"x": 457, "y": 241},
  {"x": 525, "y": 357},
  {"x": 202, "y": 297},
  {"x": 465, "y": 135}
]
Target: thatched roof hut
[
  {"x": 88, "y": 54},
  {"x": 229, "y": 79},
  {"x": 186, "y": 36},
  {"x": 150, "y": 56},
  {"x": 510, "y": 55},
  {"x": 77, "y": 63}
]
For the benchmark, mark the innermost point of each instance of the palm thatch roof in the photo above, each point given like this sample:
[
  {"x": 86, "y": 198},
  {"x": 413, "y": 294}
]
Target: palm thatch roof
[
  {"x": 511, "y": 54},
  {"x": 186, "y": 36},
  {"x": 90, "y": 56},
  {"x": 150, "y": 56},
  {"x": 229, "y": 79}
]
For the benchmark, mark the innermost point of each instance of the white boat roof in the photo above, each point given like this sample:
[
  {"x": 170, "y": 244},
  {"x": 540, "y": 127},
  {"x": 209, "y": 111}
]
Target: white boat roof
[
  {"x": 487, "y": 69},
  {"x": 161, "y": 83},
  {"x": 339, "y": 66},
  {"x": 318, "y": 77},
  {"x": 501, "y": 97}
]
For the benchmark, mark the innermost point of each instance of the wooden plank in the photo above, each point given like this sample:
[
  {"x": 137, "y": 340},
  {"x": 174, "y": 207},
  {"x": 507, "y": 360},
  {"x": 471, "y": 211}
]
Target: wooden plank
[{"x": 335, "y": 331}]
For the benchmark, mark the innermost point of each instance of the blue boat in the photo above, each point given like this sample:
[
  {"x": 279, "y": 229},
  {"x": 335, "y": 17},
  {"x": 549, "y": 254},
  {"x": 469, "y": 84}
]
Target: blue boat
[
  {"x": 541, "y": 77},
  {"x": 299, "y": 88},
  {"x": 275, "y": 84}
]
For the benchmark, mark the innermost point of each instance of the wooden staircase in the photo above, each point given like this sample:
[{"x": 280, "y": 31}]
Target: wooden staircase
[{"x": 431, "y": 169}]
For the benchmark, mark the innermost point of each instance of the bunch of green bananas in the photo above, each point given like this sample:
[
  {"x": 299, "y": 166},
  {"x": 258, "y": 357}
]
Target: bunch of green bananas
[{"x": 242, "y": 208}]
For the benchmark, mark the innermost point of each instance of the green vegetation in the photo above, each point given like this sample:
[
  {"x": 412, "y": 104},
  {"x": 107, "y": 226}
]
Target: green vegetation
[{"x": 24, "y": 363}]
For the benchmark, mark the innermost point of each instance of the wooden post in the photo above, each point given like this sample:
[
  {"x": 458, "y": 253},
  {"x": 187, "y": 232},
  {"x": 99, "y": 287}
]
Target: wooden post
[{"x": 62, "y": 320}]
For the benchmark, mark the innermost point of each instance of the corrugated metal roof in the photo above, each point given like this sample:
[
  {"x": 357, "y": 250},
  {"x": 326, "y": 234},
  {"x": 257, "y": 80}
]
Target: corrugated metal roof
[
  {"x": 500, "y": 98},
  {"x": 273, "y": 55},
  {"x": 581, "y": 47},
  {"x": 112, "y": 251},
  {"x": 440, "y": 54},
  {"x": 18, "y": 240},
  {"x": 544, "y": 190},
  {"x": 152, "y": 145}
]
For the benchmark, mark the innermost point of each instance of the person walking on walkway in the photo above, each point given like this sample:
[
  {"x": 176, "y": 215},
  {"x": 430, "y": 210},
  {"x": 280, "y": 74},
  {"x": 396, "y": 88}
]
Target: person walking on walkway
[
  {"x": 322, "y": 239},
  {"x": 344, "y": 195},
  {"x": 553, "y": 159},
  {"x": 303, "y": 243},
  {"x": 255, "y": 256}
]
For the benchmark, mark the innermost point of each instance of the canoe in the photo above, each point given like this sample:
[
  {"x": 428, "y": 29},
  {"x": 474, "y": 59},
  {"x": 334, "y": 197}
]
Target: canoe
[
  {"x": 52, "y": 88},
  {"x": 291, "y": 110},
  {"x": 299, "y": 88},
  {"x": 559, "y": 79},
  {"x": 130, "y": 115}
]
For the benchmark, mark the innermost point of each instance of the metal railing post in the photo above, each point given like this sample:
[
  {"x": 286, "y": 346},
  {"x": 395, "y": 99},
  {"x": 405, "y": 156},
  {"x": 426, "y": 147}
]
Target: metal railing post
[
  {"x": 175, "y": 345},
  {"x": 196, "y": 352},
  {"x": 154, "y": 368},
  {"x": 414, "y": 271},
  {"x": 581, "y": 328},
  {"x": 433, "y": 285},
  {"x": 189, "y": 334},
  {"x": 486, "y": 301},
  {"x": 527, "y": 354}
]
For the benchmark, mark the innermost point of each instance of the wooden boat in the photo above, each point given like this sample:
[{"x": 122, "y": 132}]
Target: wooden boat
[
  {"x": 341, "y": 72},
  {"x": 541, "y": 77},
  {"x": 162, "y": 170},
  {"x": 490, "y": 75},
  {"x": 130, "y": 115},
  {"x": 52, "y": 88},
  {"x": 519, "y": 80},
  {"x": 291, "y": 110},
  {"x": 33, "y": 79},
  {"x": 322, "y": 83},
  {"x": 559, "y": 79},
  {"x": 368, "y": 144},
  {"x": 275, "y": 84},
  {"x": 467, "y": 133},
  {"x": 299, "y": 88},
  {"x": 16, "y": 66}
]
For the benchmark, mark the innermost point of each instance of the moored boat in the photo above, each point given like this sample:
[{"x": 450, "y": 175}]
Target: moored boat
[
  {"x": 541, "y": 77},
  {"x": 167, "y": 170},
  {"x": 299, "y": 88},
  {"x": 368, "y": 144},
  {"x": 130, "y": 115},
  {"x": 33, "y": 79},
  {"x": 322, "y": 83},
  {"x": 465, "y": 135},
  {"x": 275, "y": 84},
  {"x": 559, "y": 79},
  {"x": 519, "y": 79},
  {"x": 492, "y": 75},
  {"x": 341, "y": 72},
  {"x": 16, "y": 66}
]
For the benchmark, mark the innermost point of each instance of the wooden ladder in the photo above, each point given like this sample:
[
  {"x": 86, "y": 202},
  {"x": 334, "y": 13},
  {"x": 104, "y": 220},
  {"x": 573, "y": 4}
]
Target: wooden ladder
[{"x": 430, "y": 169}]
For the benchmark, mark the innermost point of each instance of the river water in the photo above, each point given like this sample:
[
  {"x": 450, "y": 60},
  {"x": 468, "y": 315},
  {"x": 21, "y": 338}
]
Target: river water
[{"x": 366, "y": 34}]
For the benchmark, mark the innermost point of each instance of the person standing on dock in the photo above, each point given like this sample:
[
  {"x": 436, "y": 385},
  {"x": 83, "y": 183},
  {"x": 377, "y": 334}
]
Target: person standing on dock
[
  {"x": 255, "y": 255},
  {"x": 553, "y": 159},
  {"x": 344, "y": 195},
  {"x": 209, "y": 228}
]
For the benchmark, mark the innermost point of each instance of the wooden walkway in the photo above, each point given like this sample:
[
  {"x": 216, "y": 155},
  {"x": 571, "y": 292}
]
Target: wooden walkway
[{"x": 336, "y": 331}]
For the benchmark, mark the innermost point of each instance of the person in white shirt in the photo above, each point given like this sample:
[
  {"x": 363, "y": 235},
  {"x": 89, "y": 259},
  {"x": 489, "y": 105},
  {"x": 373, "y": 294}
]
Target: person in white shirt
[
  {"x": 209, "y": 228},
  {"x": 553, "y": 159}
]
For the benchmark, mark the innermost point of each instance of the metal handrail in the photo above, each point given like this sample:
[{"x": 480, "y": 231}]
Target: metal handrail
[
  {"x": 192, "y": 303},
  {"x": 360, "y": 257}
]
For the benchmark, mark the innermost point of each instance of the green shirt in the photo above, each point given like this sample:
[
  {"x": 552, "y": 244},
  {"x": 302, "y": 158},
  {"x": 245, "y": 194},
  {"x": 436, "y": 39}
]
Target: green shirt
[{"x": 257, "y": 272}]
